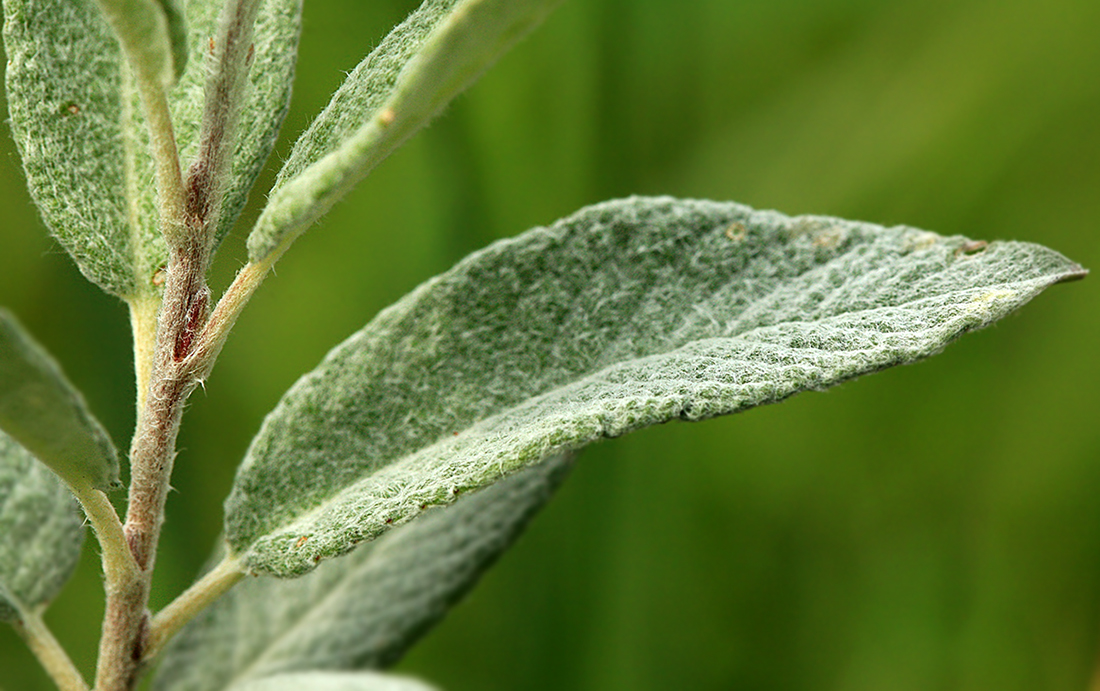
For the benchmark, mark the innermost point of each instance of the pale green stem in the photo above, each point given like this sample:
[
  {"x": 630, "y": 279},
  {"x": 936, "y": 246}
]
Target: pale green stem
[
  {"x": 143, "y": 323},
  {"x": 229, "y": 307},
  {"x": 49, "y": 652},
  {"x": 118, "y": 562},
  {"x": 183, "y": 609}
]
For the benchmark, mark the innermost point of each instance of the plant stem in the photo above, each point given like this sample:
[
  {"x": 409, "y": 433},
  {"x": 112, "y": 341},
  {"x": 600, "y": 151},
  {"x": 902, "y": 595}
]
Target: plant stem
[
  {"x": 49, "y": 652},
  {"x": 143, "y": 323},
  {"x": 183, "y": 609},
  {"x": 231, "y": 304},
  {"x": 184, "y": 310},
  {"x": 118, "y": 562}
]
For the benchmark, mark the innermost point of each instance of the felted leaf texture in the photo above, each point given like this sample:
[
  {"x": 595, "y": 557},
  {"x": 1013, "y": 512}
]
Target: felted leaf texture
[
  {"x": 427, "y": 60},
  {"x": 41, "y": 410},
  {"x": 626, "y": 314},
  {"x": 41, "y": 531},
  {"x": 334, "y": 681},
  {"x": 362, "y": 611},
  {"x": 77, "y": 121}
]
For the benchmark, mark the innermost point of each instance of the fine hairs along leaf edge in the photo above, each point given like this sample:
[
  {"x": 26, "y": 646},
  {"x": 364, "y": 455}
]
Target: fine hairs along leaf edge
[{"x": 398, "y": 419}]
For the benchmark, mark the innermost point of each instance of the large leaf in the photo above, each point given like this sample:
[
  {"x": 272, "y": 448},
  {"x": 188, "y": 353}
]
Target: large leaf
[
  {"x": 335, "y": 681},
  {"x": 48, "y": 416},
  {"x": 627, "y": 314},
  {"x": 425, "y": 62},
  {"x": 78, "y": 125},
  {"x": 361, "y": 611},
  {"x": 41, "y": 531}
]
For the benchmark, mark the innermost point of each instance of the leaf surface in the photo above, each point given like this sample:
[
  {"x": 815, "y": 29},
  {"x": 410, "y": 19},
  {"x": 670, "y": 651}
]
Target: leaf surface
[
  {"x": 626, "y": 314},
  {"x": 47, "y": 415},
  {"x": 78, "y": 125},
  {"x": 334, "y": 681},
  {"x": 41, "y": 531},
  {"x": 417, "y": 69},
  {"x": 362, "y": 611},
  {"x": 64, "y": 86}
]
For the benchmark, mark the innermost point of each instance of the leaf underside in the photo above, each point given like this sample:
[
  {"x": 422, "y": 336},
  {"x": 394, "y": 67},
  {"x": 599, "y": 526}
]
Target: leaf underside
[
  {"x": 624, "y": 315},
  {"x": 77, "y": 121},
  {"x": 362, "y": 611},
  {"x": 41, "y": 531}
]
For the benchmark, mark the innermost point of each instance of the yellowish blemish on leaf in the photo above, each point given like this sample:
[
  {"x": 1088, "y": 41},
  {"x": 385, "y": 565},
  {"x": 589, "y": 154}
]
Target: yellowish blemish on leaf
[
  {"x": 829, "y": 238},
  {"x": 993, "y": 295},
  {"x": 920, "y": 240},
  {"x": 387, "y": 116},
  {"x": 737, "y": 231}
]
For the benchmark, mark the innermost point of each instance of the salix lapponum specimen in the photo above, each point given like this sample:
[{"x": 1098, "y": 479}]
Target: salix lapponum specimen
[{"x": 474, "y": 390}]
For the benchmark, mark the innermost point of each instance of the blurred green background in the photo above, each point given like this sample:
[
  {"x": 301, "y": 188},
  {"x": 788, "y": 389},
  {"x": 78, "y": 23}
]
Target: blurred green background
[{"x": 932, "y": 527}]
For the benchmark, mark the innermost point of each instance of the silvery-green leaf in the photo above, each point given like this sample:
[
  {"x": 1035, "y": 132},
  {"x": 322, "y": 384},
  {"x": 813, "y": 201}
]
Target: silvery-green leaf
[
  {"x": 41, "y": 531},
  {"x": 79, "y": 127},
  {"x": 626, "y": 314},
  {"x": 425, "y": 62},
  {"x": 47, "y": 415},
  {"x": 266, "y": 99},
  {"x": 64, "y": 95},
  {"x": 335, "y": 681},
  {"x": 150, "y": 32},
  {"x": 362, "y": 611}
]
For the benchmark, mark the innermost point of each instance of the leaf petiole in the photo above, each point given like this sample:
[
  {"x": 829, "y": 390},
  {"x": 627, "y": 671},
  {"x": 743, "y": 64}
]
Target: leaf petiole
[
  {"x": 183, "y": 609},
  {"x": 49, "y": 652}
]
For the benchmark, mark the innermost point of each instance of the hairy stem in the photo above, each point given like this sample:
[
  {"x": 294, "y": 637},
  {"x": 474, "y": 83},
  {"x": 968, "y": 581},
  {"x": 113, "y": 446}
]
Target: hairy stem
[
  {"x": 49, "y": 652},
  {"x": 183, "y": 609},
  {"x": 230, "y": 306},
  {"x": 183, "y": 312},
  {"x": 118, "y": 562}
]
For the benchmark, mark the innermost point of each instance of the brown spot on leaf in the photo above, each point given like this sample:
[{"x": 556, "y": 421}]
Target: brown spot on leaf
[
  {"x": 301, "y": 541},
  {"x": 970, "y": 248}
]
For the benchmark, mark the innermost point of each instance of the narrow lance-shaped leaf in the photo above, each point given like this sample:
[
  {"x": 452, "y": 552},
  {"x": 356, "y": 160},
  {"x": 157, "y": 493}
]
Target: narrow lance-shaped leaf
[
  {"x": 83, "y": 141},
  {"x": 41, "y": 531},
  {"x": 425, "y": 62},
  {"x": 362, "y": 611},
  {"x": 334, "y": 681},
  {"x": 64, "y": 85},
  {"x": 261, "y": 109},
  {"x": 627, "y": 314},
  {"x": 48, "y": 416}
]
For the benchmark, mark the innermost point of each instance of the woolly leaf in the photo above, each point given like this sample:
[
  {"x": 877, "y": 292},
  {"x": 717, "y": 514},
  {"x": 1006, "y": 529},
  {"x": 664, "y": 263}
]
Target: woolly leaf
[
  {"x": 274, "y": 52},
  {"x": 150, "y": 32},
  {"x": 627, "y": 314},
  {"x": 41, "y": 531},
  {"x": 425, "y": 62},
  {"x": 362, "y": 611},
  {"x": 64, "y": 96},
  {"x": 85, "y": 147},
  {"x": 334, "y": 681},
  {"x": 48, "y": 416}
]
